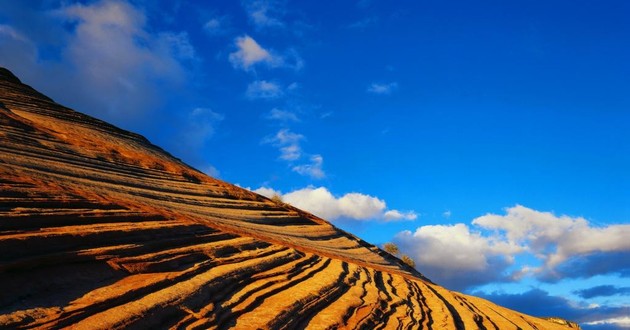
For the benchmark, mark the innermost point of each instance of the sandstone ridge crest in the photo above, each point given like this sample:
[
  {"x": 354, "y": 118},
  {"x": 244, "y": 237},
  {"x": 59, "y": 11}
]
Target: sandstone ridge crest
[{"x": 100, "y": 229}]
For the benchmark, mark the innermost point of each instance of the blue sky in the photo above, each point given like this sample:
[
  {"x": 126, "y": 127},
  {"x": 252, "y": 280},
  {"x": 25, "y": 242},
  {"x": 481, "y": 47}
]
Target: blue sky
[{"x": 488, "y": 139}]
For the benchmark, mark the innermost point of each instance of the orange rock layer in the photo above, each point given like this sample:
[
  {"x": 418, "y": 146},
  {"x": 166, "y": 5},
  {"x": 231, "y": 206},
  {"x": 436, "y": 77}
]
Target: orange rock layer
[{"x": 99, "y": 229}]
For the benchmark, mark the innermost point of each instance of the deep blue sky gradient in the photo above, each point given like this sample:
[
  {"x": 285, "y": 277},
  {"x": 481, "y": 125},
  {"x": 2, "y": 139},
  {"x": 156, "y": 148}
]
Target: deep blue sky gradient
[{"x": 491, "y": 104}]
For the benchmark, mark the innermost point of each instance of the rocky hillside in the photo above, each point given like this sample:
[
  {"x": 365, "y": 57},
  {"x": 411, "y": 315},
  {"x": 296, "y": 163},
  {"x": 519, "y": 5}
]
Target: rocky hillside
[{"x": 100, "y": 229}]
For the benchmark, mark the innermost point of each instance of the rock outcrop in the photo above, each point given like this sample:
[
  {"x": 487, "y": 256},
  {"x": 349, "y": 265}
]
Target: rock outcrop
[{"x": 99, "y": 229}]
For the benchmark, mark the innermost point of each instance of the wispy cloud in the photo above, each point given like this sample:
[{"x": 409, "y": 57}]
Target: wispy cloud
[
  {"x": 264, "y": 13},
  {"x": 109, "y": 53},
  {"x": 382, "y": 88},
  {"x": 393, "y": 215},
  {"x": 201, "y": 125},
  {"x": 9, "y": 31},
  {"x": 312, "y": 169},
  {"x": 362, "y": 24},
  {"x": 263, "y": 89},
  {"x": 217, "y": 25},
  {"x": 282, "y": 115},
  {"x": 321, "y": 202},
  {"x": 288, "y": 144}
]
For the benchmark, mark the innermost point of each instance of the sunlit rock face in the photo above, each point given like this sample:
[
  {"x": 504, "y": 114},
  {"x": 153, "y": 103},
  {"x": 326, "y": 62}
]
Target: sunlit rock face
[{"x": 100, "y": 229}]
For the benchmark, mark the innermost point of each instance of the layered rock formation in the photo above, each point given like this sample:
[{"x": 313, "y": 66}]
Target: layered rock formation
[{"x": 100, "y": 229}]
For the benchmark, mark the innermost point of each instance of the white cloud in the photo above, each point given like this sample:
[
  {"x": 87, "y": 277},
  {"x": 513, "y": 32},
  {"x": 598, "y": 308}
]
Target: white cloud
[
  {"x": 382, "y": 89},
  {"x": 393, "y": 215},
  {"x": 282, "y": 115},
  {"x": 447, "y": 214},
  {"x": 623, "y": 322},
  {"x": 262, "y": 89},
  {"x": 288, "y": 143},
  {"x": 455, "y": 256},
  {"x": 267, "y": 192},
  {"x": 250, "y": 53},
  {"x": 454, "y": 246},
  {"x": 321, "y": 202},
  {"x": 553, "y": 238},
  {"x": 459, "y": 256},
  {"x": 290, "y": 152},
  {"x": 313, "y": 169},
  {"x": 263, "y": 13}
]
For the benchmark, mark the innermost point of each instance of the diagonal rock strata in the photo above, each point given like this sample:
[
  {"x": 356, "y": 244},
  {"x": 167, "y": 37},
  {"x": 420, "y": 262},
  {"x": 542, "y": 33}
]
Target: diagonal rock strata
[{"x": 99, "y": 229}]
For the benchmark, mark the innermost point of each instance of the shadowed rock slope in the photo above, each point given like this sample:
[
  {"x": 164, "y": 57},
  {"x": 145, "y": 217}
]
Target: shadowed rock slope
[{"x": 100, "y": 229}]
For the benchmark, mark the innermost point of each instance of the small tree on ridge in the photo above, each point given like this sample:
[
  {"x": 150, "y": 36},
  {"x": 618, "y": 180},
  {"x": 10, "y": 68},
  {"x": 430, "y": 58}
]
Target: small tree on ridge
[
  {"x": 407, "y": 259},
  {"x": 391, "y": 248}
]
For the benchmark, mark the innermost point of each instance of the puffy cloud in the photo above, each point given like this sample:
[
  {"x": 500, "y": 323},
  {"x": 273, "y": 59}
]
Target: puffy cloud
[
  {"x": 461, "y": 257},
  {"x": 321, "y": 202},
  {"x": 313, "y": 169},
  {"x": 250, "y": 53},
  {"x": 262, "y": 89},
  {"x": 263, "y": 13},
  {"x": 556, "y": 239},
  {"x": 282, "y": 115},
  {"x": 267, "y": 192},
  {"x": 603, "y": 291},
  {"x": 382, "y": 89},
  {"x": 455, "y": 256}
]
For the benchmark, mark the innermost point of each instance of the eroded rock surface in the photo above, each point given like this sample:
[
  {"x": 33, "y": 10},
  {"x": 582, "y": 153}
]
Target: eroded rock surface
[{"x": 99, "y": 229}]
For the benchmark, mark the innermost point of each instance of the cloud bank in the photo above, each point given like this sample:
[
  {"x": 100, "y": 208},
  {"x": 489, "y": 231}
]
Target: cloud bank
[
  {"x": 461, "y": 256},
  {"x": 539, "y": 303}
]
